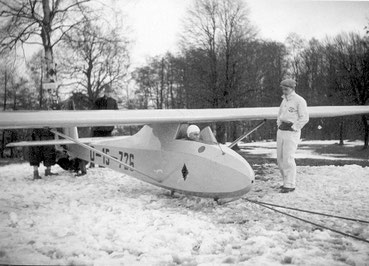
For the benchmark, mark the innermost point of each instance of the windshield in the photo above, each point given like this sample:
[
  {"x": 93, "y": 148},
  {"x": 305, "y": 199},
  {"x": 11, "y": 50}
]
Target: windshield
[{"x": 206, "y": 135}]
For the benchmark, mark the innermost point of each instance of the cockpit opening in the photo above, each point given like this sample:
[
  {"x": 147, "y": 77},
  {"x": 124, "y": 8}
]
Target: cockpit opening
[{"x": 206, "y": 135}]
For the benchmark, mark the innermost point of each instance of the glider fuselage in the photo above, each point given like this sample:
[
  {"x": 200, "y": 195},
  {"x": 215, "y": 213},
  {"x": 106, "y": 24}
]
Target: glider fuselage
[{"x": 190, "y": 167}]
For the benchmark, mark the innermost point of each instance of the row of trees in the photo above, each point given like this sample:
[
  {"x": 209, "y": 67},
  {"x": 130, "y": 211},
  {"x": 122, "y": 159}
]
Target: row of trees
[
  {"x": 336, "y": 72},
  {"x": 222, "y": 64},
  {"x": 81, "y": 51}
]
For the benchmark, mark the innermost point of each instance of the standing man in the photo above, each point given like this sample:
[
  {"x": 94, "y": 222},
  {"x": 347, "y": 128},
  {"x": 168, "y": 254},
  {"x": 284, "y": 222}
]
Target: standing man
[
  {"x": 107, "y": 102},
  {"x": 292, "y": 117},
  {"x": 44, "y": 154}
]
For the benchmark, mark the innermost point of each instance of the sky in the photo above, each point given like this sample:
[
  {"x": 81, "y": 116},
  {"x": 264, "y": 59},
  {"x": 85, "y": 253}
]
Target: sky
[{"x": 156, "y": 24}]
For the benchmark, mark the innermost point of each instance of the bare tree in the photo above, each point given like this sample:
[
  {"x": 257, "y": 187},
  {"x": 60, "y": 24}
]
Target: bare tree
[
  {"x": 147, "y": 79},
  {"x": 352, "y": 52},
  {"x": 14, "y": 83},
  {"x": 34, "y": 20},
  {"x": 95, "y": 56},
  {"x": 295, "y": 45},
  {"x": 15, "y": 92},
  {"x": 201, "y": 31},
  {"x": 333, "y": 72},
  {"x": 6, "y": 71},
  {"x": 161, "y": 82},
  {"x": 6, "y": 74},
  {"x": 220, "y": 29}
]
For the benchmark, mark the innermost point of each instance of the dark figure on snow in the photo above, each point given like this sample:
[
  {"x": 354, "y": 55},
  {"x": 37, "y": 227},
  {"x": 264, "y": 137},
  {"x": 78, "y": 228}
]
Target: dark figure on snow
[
  {"x": 71, "y": 164},
  {"x": 44, "y": 154},
  {"x": 107, "y": 102}
]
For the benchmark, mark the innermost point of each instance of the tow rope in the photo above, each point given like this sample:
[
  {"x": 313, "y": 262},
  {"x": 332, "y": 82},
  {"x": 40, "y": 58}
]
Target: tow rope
[
  {"x": 308, "y": 211},
  {"x": 268, "y": 206}
]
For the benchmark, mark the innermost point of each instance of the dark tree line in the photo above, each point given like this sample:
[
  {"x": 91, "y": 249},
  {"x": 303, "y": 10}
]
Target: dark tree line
[
  {"x": 79, "y": 52},
  {"x": 223, "y": 64}
]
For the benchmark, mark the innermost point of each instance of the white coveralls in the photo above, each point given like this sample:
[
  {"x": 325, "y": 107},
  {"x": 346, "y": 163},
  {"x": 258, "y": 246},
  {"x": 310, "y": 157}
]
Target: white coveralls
[{"x": 293, "y": 109}]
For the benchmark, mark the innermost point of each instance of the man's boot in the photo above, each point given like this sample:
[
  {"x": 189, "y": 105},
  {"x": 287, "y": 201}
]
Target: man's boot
[
  {"x": 49, "y": 173},
  {"x": 36, "y": 175},
  {"x": 82, "y": 167},
  {"x": 81, "y": 174}
]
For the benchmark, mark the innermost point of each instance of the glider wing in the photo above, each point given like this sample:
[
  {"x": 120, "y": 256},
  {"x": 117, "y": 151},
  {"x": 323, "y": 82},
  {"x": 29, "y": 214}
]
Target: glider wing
[{"x": 54, "y": 119}]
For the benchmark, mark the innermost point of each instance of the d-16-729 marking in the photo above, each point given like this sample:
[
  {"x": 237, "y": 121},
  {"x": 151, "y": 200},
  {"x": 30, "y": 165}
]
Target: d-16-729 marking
[{"x": 125, "y": 157}]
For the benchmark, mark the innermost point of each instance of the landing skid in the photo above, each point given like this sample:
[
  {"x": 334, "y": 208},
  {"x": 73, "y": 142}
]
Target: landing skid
[
  {"x": 220, "y": 201},
  {"x": 226, "y": 201},
  {"x": 171, "y": 194},
  {"x": 175, "y": 194}
]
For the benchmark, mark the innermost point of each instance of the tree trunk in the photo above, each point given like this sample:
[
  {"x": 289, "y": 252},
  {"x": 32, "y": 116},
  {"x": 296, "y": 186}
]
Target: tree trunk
[
  {"x": 161, "y": 84},
  {"x": 15, "y": 98},
  {"x": 341, "y": 133},
  {"x": 172, "y": 100},
  {"x": 5, "y": 88},
  {"x": 46, "y": 31},
  {"x": 5, "y": 96},
  {"x": 12, "y": 138},
  {"x": 2, "y": 144},
  {"x": 220, "y": 132},
  {"x": 41, "y": 87},
  {"x": 157, "y": 97},
  {"x": 233, "y": 134},
  {"x": 366, "y": 131},
  {"x": 233, "y": 131}
]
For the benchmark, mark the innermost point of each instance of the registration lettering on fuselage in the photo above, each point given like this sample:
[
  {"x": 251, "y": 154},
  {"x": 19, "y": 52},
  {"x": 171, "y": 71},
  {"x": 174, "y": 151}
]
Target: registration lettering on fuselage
[{"x": 124, "y": 157}]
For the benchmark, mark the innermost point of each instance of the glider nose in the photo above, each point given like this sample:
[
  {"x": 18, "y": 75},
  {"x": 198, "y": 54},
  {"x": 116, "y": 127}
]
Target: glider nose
[
  {"x": 239, "y": 163},
  {"x": 206, "y": 170},
  {"x": 246, "y": 171},
  {"x": 237, "y": 176},
  {"x": 249, "y": 172}
]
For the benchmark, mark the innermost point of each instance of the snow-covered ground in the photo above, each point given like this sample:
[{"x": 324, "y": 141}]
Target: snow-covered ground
[
  {"x": 106, "y": 218},
  {"x": 305, "y": 150}
]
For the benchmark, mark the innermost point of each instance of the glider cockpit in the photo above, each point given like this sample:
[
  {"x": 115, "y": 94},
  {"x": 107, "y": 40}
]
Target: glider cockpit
[{"x": 206, "y": 135}]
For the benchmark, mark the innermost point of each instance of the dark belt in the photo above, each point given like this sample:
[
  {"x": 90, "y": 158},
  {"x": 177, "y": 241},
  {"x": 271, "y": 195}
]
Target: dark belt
[{"x": 286, "y": 126}]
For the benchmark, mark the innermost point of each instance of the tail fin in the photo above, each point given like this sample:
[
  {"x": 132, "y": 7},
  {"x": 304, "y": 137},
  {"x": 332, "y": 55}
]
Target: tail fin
[{"x": 71, "y": 132}]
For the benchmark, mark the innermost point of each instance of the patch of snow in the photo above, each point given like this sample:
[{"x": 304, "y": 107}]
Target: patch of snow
[
  {"x": 106, "y": 218},
  {"x": 269, "y": 149}
]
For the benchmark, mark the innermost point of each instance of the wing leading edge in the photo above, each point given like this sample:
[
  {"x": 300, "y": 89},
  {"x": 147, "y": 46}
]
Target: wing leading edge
[
  {"x": 59, "y": 142},
  {"x": 39, "y": 119}
]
